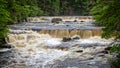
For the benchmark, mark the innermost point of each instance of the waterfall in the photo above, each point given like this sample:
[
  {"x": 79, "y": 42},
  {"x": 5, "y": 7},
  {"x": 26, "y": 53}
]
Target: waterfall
[
  {"x": 69, "y": 33},
  {"x": 36, "y": 45}
]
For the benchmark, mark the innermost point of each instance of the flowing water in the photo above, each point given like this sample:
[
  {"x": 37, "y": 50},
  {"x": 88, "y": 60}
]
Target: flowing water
[
  {"x": 40, "y": 45},
  {"x": 70, "y": 33},
  {"x": 29, "y": 50}
]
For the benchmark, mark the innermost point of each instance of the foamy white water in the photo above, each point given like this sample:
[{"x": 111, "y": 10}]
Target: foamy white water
[
  {"x": 96, "y": 40},
  {"x": 34, "y": 52}
]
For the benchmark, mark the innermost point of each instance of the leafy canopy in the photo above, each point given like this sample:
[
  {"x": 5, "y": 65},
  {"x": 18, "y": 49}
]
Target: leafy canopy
[{"x": 107, "y": 14}]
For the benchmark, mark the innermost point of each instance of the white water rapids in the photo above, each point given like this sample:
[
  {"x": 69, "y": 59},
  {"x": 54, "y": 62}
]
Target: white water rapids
[
  {"x": 30, "y": 46},
  {"x": 33, "y": 49}
]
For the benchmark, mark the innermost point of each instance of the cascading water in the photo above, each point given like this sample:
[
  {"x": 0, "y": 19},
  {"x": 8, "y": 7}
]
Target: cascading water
[
  {"x": 70, "y": 33},
  {"x": 34, "y": 50},
  {"x": 30, "y": 50},
  {"x": 42, "y": 46}
]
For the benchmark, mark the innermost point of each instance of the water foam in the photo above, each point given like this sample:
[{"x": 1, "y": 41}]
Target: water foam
[
  {"x": 29, "y": 43},
  {"x": 28, "y": 46},
  {"x": 96, "y": 40}
]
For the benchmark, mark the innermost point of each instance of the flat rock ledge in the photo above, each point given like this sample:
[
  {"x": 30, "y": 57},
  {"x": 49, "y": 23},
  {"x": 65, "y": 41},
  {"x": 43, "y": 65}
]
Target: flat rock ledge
[{"x": 77, "y": 63}]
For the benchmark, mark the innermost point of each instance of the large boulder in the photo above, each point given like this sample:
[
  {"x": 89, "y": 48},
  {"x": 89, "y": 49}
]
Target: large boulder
[
  {"x": 65, "y": 39},
  {"x": 56, "y": 20}
]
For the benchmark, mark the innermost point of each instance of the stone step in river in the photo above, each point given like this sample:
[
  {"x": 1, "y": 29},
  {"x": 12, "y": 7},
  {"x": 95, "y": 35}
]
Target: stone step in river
[{"x": 62, "y": 29}]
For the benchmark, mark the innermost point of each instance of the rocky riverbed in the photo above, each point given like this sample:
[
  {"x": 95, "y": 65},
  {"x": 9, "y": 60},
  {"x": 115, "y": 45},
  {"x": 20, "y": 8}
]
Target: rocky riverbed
[
  {"x": 56, "y": 58},
  {"x": 50, "y": 45},
  {"x": 90, "y": 57},
  {"x": 34, "y": 50}
]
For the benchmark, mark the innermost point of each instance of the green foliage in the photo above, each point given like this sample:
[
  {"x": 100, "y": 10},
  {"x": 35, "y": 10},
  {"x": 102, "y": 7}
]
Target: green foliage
[
  {"x": 115, "y": 48},
  {"x": 21, "y": 9},
  {"x": 66, "y": 7},
  {"x": 16, "y": 11},
  {"x": 75, "y": 7},
  {"x": 4, "y": 18},
  {"x": 115, "y": 62},
  {"x": 107, "y": 14}
]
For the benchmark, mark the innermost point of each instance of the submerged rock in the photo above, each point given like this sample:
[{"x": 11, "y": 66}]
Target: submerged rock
[
  {"x": 78, "y": 51},
  {"x": 76, "y": 37},
  {"x": 65, "y": 39},
  {"x": 105, "y": 52},
  {"x": 82, "y": 21},
  {"x": 75, "y": 21}
]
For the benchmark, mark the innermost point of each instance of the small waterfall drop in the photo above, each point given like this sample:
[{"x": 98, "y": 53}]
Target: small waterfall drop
[
  {"x": 69, "y": 33},
  {"x": 30, "y": 46},
  {"x": 35, "y": 50},
  {"x": 39, "y": 43}
]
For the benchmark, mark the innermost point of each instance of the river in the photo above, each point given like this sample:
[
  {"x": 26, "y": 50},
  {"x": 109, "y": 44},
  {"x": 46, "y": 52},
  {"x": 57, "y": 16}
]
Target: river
[{"x": 42, "y": 45}]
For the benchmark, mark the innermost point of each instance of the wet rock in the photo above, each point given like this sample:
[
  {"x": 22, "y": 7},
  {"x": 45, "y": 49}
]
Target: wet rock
[
  {"x": 75, "y": 37},
  {"x": 56, "y": 20},
  {"x": 65, "y": 39},
  {"x": 79, "y": 51},
  {"x": 67, "y": 21},
  {"x": 75, "y": 21},
  {"x": 6, "y": 46},
  {"x": 105, "y": 52},
  {"x": 82, "y": 21},
  {"x": 101, "y": 55},
  {"x": 91, "y": 58},
  {"x": 67, "y": 25},
  {"x": 62, "y": 48},
  {"x": 13, "y": 61},
  {"x": 76, "y": 63},
  {"x": 108, "y": 48}
]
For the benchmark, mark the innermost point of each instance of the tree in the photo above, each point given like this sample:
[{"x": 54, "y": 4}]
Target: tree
[
  {"x": 49, "y": 7},
  {"x": 21, "y": 9},
  {"x": 4, "y": 18},
  {"x": 66, "y": 7},
  {"x": 107, "y": 14},
  {"x": 15, "y": 11}
]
